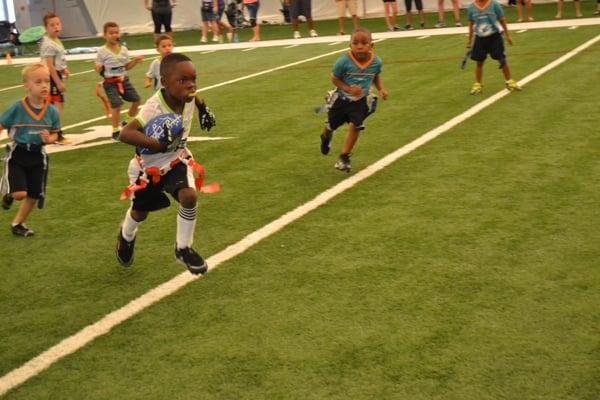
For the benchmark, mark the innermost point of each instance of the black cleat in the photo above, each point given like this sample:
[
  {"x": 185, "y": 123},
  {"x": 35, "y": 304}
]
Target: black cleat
[
  {"x": 325, "y": 143},
  {"x": 115, "y": 135},
  {"x": 124, "y": 251},
  {"x": 192, "y": 260},
  {"x": 21, "y": 230},
  {"x": 343, "y": 163},
  {"x": 7, "y": 201}
]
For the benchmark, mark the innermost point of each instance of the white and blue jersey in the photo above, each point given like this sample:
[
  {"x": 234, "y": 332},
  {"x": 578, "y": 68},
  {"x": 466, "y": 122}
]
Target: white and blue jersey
[
  {"x": 485, "y": 17},
  {"x": 354, "y": 73}
]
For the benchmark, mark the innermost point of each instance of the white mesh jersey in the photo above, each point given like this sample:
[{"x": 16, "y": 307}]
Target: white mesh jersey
[
  {"x": 154, "y": 107},
  {"x": 53, "y": 48},
  {"x": 114, "y": 63},
  {"x": 154, "y": 73}
]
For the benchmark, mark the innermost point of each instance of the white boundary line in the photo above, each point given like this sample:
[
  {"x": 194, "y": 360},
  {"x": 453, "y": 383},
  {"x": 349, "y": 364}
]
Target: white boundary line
[{"x": 103, "y": 326}]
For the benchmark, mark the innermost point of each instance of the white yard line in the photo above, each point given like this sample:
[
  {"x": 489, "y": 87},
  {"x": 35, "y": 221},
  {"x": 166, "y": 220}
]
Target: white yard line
[
  {"x": 573, "y": 27},
  {"x": 208, "y": 51},
  {"x": 333, "y": 38},
  {"x": 103, "y": 326},
  {"x": 522, "y": 31},
  {"x": 335, "y": 43},
  {"x": 250, "y": 49},
  {"x": 291, "y": 46},
  {"x": 423, "y": 37}
]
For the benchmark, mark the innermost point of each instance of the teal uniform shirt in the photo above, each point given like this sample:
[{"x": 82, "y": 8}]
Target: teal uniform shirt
[
  {"x": 24, "y": 122},
  {"x": 354, "y": 73},
  {"x": 485, "y": 19}
]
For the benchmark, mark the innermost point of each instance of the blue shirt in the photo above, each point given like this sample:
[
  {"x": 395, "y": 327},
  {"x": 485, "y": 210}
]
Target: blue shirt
[
  {"x": 354, "y": 73},
  {"x": 24, "y": 122},
  {"x": 485, "y": 19}
]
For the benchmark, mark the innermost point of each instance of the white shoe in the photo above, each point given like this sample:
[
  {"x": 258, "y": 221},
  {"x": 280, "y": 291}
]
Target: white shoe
[
  {"x": 216, "y": 39},
  {"x": 313, "y": 33},
  {"x": 229, "y": 36},
  {"x": 297, "y": 35},
  {"x": 203, "y": 39}
]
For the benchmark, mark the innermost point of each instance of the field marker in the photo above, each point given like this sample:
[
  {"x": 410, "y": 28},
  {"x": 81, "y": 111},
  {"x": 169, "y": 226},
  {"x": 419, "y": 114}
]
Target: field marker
[
  {"x": 293, "y": 45},
  {"x": 423, "y": 37},
  {"x": 86, "y": 335},
  {"x": 573, "y": 27},
  {"x": 522, "y": 31},
  {"x": 250, "y": 49},
  {"x": 334, "y": 43},
  {"x": 207, "y": 52}
]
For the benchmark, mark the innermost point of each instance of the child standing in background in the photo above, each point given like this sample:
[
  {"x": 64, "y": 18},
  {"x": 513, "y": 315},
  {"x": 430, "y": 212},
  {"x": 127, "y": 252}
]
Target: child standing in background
[
  {"x": 164, "y": 46},
  {"x": 112, "y": 63}
]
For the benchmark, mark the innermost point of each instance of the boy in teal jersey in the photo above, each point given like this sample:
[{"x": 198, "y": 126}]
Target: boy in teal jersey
[
  {"x": 484, "y": 16},
  {"x": 31, "y": 122},
  {"x": 353, "y": 74}
]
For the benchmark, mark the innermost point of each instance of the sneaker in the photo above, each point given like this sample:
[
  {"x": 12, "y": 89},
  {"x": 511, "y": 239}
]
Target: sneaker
[
  {"x": 511, "y": 85},
  {"x": 408, "y": 27},
  {"x": 440, "y": 25},
  {"x": 21, "y": 230},
  {"x": 422, "y": 25},
  {"x": 229, "y": 37},
  {"x": 476, "y": 88},
  {"x": 397, "y": 28},
  {"x": 597, "y": 12},
  {"x": 519, "y": 19},
  {"x": 217, "y": 39},
  {"x": 530, "y": 19},
  {"x": 341, "y": 33},
  {"x": 297, "y": 35},
  {"x": 62, "y": 140},
  {"x": 192, "y": 260},
  {"x": 7, "y": 201},
  {"x": 115, "y": 135},
  {"x": 325, "y": 143},
  {"x": 313, "y": 33},
  {"x": 203, "y": 39},
  {"x": 458, "y": 24},
  {"x": 124, "y": 251},
  {"x": 343, "y": 163}
]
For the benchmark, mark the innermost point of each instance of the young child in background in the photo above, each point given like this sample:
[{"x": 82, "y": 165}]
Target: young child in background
[
  {"x": 484, "y": 16},
  {"x": 32, "y": 122},
  {"x": 112, "y": 62},
  {"x": 164, "y": 46},
  {"x": 209, "y": 10},
  {"x": 170, "y": 162},
  {"x": 52, "y": 53},
  {"x": 353, "y": 74}
]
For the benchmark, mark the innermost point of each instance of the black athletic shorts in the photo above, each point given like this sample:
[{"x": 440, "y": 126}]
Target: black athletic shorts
[
  {"x": 26, "y": 170},
  {"x": 492, "y": 45},
  {"x": 114, "y": 96},
  {"x": 300, "y": 7},
  {"x": 56, "y": 96},
  {"x": 345, "y": 111},
  {"x": 153, "y": 197},
  {"x": 418, "y": 4},
  {"x": 161, "y": 19}
]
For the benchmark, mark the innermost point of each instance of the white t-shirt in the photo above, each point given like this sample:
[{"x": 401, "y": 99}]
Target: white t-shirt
[
  {"x": 154, "y": 107},
  {"x": 54, "y": 48},
  {"x": 114, "y": 63},
  {"x": 154, "y": 73}
]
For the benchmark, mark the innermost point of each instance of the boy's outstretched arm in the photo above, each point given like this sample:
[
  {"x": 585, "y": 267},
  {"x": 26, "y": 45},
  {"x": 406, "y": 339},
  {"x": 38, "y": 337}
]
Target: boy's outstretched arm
[
  {"x": 131, "y": 134},
  {"x": 135, "y": 61},
  {"x": 382, "y": 92}
]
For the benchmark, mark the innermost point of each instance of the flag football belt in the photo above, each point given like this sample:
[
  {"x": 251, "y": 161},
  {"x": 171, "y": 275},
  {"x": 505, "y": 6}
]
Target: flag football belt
[
  {"x": 153, "y": 174},
  {"x": 119, "y": 81}
]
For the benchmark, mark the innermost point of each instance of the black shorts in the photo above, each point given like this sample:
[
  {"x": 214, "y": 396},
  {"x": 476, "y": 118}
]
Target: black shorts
[
  {"x": 153, "y": 197},
  {"x": 418, "y": 4},
  {"x": 300, "y": 7},
  {"x": 492, "y": 45},
  {"x": 25, "y": 171},
  {"x": 389, "y": 1},
  {"x": 345, "y": 111},
  {"x": 114, "y": 96},
  {"x": 56, "y": 96},
  {"x": 161, "y": 19}
]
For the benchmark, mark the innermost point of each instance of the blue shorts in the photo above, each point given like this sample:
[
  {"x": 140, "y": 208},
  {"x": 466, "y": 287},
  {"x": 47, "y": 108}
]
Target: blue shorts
[{"x": 253, "y": 9}]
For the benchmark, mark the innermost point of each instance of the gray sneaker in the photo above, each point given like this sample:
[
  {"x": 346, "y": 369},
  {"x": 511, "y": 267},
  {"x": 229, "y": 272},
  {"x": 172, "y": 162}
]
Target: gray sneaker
[{"x": 343, "y": 163}]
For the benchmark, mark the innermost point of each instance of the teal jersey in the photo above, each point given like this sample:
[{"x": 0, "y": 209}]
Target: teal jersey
[
  {"x": 354, "y": 73},
  {"x": 24, "y": 122},
  {"x": 485, "y": 18}
]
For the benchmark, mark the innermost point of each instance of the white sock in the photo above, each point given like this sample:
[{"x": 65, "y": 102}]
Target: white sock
[
  {"x": 129, "y": 227},
  {"x": 186, "y": 223}
]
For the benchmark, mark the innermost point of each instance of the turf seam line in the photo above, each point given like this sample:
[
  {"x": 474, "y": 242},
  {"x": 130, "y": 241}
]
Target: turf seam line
[{"x": 89, "y": 333}]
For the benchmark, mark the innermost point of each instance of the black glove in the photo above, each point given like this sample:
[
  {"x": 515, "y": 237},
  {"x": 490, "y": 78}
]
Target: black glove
[
  {"x": 207, "y": 118},
  {"x": 168, "y": 143}
]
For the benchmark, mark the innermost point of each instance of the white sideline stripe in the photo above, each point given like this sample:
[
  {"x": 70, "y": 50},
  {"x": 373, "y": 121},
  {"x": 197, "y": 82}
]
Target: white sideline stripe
[
  {"x": 333, "y": 38},
  {"x": 103, "y": 326},
  {"x": 266, "y": 71}
]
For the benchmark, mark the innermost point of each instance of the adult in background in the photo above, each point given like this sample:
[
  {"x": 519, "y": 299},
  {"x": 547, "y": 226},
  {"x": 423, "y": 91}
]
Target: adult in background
[
  {"x": 298, "y": 8},
  {"x": 559, "y": 9},
  {"x": 341, "y": 6},
  {"x": 252, "y": 7},
  {"x": 161, "y": 15}
]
